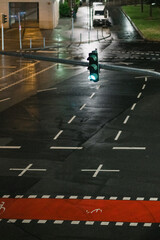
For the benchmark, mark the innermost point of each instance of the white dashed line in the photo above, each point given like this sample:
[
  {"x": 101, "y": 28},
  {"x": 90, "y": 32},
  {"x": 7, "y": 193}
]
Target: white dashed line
[
  {"x": 66, "y": 148},
  {"x": 58, "y": 221},
  {"x": 92, "y": 95},
  {"x": 58, "y": 134},
  {"x": 118, "y": 135},
  {"x": 153, "y": 199},
  {"x": 104, "y": 223},
  {"x": 26, "y": 221},
  {"x": 133, "y": 224},
  {"x": 133, "y": 106},
  {"x": 83, "y": 106},
  {"x": 140, "y": 198},
  {"x": 126, "y": 198},
  {"x": 12, "y": 220},
  {"x": 147, "y": 224},
  {"x": 42, "y": 221},
  {"x": 89, "y": 222},
  {"x": 144, "y": 85},
  {"x": 46, "y": 196},
  {"x": 73, "y": 197},
  {"x": 113, "y": 198},
  {"x": 32, "y": 196},
  {"x": 19, "y": 196},
  {"x": 126, "y": 119},
  {"x": 75, "y": 222},
  {"x": 71, "y": 119},
  {"x": 139, "y": 95},
  {"x": 60, "y": 196},
  {"x": 146, "y": 79},
  {"x": 119, "y": 224}
]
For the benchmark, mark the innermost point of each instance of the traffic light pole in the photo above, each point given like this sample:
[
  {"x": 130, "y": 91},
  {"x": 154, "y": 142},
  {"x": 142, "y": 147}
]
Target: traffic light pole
[
  {"x": 84, "y": 64},
  {"x": 2, "y": 29}
]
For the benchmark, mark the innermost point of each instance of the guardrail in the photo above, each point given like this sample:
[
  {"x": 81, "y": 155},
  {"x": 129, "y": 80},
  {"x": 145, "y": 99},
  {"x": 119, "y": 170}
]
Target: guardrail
[{"x": 84, "y": 63}]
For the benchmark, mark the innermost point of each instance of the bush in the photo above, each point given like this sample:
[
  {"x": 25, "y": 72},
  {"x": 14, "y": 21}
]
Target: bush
[{"x": 64, "y": 10}]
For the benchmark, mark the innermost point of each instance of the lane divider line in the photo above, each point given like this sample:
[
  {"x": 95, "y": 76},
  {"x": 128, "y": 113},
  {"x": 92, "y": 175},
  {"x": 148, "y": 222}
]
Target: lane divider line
[
  {"x": 118, "y": 135},
  {"x": 133, "y": 106},
  {"x": 139, "y": 95},
  {"x": 58, "y": 134},
  {"x": 126, "y": 119},
  {"x": 144, "y": 85},
  {"x": 83, "y": 106},
  {"x": 92, "y": 95},
  {"x": 71, "y": 119}
]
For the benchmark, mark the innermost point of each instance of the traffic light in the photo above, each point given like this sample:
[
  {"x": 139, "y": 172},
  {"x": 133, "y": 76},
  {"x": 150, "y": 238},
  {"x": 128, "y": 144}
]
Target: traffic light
[
  {"x": 93, "y": 66},
  {"x": 4, "y": 18}
]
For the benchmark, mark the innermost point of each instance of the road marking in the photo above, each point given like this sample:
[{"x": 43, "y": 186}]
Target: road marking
[
  {"x": 98, "y": 170},
  {"x": 146, "y": 79},
  {"x": 118, "y": 135},
  {"x": 7, "y": 67},
  {"x": 58, "y": 134},
  {"x": 24, "y": 170},
  {"x": 24, "y": 79},
  {"x": 139, "y": 95},
  {"x": 144, "y": 85},
  {"x": 10, "y": 147},
  {"x": 92, "y": 95},
  {"x": 67, "y": 148},
  {"x": 98, "y": 87},
  {"x": 45, "y": 90},
  {"x": 76, "y": 210},
  {"x": 83, "y": 106},
  {"x": 19, "y": 70},
  {"x": 126, "y": 119},
  {"x": 71, "y": 119},
  {"x": 133, "y": 106},
  {"x": 129, "y": 148},
  {"x": 5, "y": 99}
]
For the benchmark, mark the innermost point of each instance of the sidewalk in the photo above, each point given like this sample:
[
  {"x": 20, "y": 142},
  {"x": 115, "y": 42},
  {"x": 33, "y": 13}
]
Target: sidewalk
[{"x": 62, "y": 34}]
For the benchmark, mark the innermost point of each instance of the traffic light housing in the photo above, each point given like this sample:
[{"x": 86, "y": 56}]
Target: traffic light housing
[
  {"x": 4, "y": 18},
  {"x": 93, "y": 66}
]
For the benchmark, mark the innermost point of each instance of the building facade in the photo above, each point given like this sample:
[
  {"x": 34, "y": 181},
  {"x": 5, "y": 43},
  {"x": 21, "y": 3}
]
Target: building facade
[{"x": 31, "y": 13}]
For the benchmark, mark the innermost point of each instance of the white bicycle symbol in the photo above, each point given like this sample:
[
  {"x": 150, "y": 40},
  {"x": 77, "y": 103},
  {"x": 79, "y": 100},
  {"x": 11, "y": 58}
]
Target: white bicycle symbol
[{"x": 2, "y": 208}]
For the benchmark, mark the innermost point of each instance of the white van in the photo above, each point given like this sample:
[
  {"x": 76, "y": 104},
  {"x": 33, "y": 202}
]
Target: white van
[{"x": 100, "y": 15}]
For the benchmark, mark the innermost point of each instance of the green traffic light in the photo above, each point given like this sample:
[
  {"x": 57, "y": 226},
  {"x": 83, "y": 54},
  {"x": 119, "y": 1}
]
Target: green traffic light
[{"x": 93, "y": 77}]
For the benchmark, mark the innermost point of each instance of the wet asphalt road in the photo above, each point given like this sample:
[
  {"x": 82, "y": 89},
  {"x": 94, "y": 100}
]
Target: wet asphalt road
[{"x": 120, "y": 111}]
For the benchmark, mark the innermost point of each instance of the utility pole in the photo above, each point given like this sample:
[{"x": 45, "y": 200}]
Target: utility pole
[{"x": 20, "y": 38}]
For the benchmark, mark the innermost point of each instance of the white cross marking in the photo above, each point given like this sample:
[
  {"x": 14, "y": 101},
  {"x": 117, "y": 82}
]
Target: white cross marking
[
  {"x": 98, "y": 170},
  {"x": 26, "y": 169}
]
